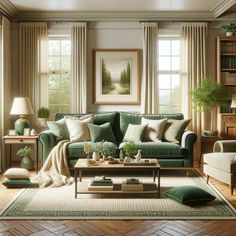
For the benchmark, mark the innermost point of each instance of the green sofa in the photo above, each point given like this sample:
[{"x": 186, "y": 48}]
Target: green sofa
[{"x": 167, "y": 153}]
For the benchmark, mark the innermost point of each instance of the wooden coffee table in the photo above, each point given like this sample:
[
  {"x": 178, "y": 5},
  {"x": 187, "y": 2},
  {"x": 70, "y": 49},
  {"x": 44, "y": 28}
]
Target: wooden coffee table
[{"x": 82, "y": 165}]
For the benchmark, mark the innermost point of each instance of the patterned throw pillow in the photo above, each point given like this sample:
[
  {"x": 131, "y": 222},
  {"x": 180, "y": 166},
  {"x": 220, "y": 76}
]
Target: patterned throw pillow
[
  {"x": 59, "y": 129},
  {"x": 134, "y": 133}
]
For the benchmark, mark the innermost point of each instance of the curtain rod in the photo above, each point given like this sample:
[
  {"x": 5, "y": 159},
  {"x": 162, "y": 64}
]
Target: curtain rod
[{"x": 156, "y": 21}]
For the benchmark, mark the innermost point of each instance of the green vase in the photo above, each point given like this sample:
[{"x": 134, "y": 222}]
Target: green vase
[
  {"x": 20, "y": 125},
  {"x": 26, "y": 162}
]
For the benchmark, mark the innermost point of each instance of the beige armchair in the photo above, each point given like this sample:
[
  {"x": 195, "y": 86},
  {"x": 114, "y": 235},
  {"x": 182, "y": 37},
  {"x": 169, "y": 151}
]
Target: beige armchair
[{"x": 221, "y": 164}]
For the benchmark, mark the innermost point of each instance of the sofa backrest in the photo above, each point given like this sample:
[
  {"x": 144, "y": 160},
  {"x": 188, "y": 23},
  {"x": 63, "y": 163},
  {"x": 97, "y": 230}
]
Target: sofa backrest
[{"x": 120, "y": 120}]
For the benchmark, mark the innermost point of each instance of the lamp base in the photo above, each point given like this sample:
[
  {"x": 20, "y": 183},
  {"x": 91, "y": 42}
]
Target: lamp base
[{"x": 20, "y": 124}]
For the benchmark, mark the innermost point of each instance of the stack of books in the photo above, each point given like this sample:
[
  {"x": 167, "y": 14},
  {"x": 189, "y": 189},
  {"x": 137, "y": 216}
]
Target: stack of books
[
  {"x": 101, "y": 183},
  {"x": 132, "y": 185}
]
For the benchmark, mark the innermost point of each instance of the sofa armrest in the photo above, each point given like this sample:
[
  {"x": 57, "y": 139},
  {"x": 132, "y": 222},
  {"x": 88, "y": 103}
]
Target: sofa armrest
[
  {"x": 225, "y": 146},
  {"x": 187, "y": 142},
  {"x": 48, "y": 141}
]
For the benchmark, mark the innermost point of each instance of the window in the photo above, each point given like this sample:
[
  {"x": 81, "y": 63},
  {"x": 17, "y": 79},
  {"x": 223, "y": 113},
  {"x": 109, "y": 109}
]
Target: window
[
  {"x": 59, "y": 52},
  {"x": 168, "y": 74}
]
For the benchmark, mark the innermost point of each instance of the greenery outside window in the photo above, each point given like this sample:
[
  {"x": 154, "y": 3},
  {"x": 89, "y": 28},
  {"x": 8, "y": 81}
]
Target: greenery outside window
[
  {"x": 168, "y": 74},
  {"x": 59, "y": 53}
]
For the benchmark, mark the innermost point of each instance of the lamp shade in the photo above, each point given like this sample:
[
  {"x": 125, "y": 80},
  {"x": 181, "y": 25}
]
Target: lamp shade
[
  {"x": 233, "y": 102},
  {"x": 21, "y": 106}
]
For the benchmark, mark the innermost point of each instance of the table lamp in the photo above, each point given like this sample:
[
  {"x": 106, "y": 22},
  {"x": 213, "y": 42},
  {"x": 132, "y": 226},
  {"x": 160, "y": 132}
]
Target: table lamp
[
  {"x": 233, "y": 103},
  {"x": 21, "y": 106}
]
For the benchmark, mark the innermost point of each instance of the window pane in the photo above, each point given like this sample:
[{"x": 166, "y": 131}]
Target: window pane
[
  {"x": 164, "y": 109},
  {"x": 164, "y": 47},
  {"x": 65, "y": 63},
  {"x": 54, "y": 82},
  {"x": 175, "y": 63},
  {"x": 175, "y": 97},
  {"x": 54, "y": 109},
  {"x": 164, "y": 63},
  {"x": 175, "y": 47},
  {"x": 65, "y": 47},
  {"x": 65, "y": 108},
  {"x": 54, "y": 96},
  {"x": 54, "y": 47},
  {"x": 175, "y": 81},
  {"x": 54, "y": 63},
  {"x": 164, "y": 97},
  {"x": 164, "y": 81}
]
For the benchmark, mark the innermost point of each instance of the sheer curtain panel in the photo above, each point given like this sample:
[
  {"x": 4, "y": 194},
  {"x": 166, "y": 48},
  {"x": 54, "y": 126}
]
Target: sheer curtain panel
[
  {"x": 193, "y": 70},
  {"x": 33, "y": 63},
  {"x": 5, "y": 85},
  {"x": 149, "y": 80},
  {"x": 79, "y": 67}
]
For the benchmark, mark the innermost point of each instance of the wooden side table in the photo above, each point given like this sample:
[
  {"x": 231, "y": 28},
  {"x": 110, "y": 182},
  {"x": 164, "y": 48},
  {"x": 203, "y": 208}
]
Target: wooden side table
[
  {"x": 23, "y": 140},
  {"x": 207, "y": 143}
]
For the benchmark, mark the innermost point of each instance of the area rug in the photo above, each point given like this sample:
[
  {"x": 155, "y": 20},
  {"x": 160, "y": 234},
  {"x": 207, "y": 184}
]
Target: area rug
[{"x": 60, "y": 203}]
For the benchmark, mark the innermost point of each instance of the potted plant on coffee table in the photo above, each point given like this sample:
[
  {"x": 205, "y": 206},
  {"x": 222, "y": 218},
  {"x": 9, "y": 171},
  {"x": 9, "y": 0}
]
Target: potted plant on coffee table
[
  {"x": 208, "y": 96},
  {"x": 26, "y": 160},
  {"x": 129, "y": 151}
]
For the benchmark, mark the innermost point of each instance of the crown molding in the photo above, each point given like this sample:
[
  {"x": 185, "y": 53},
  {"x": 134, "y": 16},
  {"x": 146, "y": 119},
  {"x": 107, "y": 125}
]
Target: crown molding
[
  {"x": 8, "y": 9},
  {"x": 113, "y": 15},
  {"x": 222, "y": 7}
]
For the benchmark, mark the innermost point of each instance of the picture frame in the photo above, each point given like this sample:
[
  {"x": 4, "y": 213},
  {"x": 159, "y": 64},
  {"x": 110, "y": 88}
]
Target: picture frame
[
  {"x": 11, "y": 132},
  {"x": 116, "y": 76},
  {"x": 26, "y": 131}
]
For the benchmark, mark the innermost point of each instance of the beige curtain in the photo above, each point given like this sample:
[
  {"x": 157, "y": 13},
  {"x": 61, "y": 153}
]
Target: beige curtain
[
  {"x": 78, "y": 67},
  {"x": 33, "y": 62},
  {"x": 149, "y": 88},
  {"x": 193, "y": 70},
  {"x": 5, "y": 86}
]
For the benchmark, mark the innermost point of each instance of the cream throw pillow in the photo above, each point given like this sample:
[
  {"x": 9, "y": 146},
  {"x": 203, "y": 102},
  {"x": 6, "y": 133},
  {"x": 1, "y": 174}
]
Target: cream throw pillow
[
  {"x": 134, "y": 133},
  {"x": 154, "y": 130},
  {"x": 174, "y": 130},
  {"x": 78, "y": 128},
  {"x": 17, "y": 173}
]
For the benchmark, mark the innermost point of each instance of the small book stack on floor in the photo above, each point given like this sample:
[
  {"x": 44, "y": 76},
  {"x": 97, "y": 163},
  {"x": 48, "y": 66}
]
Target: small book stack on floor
[
  {"x": 132, "y": 185},
  {"x": 101, "y": 183}
]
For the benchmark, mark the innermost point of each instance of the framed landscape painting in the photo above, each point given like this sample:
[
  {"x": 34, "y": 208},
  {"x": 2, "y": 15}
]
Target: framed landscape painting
[{"x": 116, "y": 76}]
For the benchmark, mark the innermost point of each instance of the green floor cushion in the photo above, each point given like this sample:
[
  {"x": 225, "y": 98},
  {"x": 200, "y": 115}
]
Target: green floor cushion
[
  {"x": 77, "y": 149},
  {"x": 159, "y": 149},
  {"x": 189, "y": 195},
  {"x": 18, "y": 183}
]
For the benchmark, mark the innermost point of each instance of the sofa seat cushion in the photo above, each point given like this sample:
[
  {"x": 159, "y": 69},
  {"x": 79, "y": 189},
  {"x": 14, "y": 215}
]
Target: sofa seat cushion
[
  {"x": 225, "y": 161},
  {"x": 75, "y": 150},
  {"x": 159, "y": 149}
]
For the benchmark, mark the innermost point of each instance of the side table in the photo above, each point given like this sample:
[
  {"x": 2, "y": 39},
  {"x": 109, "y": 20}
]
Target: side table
[{"x": 32, "y": 139}]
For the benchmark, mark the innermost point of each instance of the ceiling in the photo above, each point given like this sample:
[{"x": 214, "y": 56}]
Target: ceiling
[
  {"x": 113, "y": 5},
  {"x": 117, "y": 9}
]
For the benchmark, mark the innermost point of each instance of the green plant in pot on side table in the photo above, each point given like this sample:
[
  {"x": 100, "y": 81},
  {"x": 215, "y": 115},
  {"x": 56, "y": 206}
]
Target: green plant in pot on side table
[
  {"x": 26, "y": 160},
  {"x": 43, "y": 115},
  {"x": 208, "y": 96}
]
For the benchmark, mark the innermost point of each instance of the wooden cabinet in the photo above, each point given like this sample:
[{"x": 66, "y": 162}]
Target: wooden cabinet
[
  {"x": 226, "y": 75},
  {"x": 228, "y": 125}
]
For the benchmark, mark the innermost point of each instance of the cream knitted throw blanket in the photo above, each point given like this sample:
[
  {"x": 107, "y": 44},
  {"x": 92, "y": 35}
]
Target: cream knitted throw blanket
[{"x": 55, "y": 171}]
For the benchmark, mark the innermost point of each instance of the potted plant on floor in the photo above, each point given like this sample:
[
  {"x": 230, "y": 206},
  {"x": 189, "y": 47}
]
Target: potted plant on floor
[
  {"x": 229, "y": 29},
  {"x": 43, "y": 115},
  {"x": 208, "y": 96},
  {"x": 26, "y": 160}
]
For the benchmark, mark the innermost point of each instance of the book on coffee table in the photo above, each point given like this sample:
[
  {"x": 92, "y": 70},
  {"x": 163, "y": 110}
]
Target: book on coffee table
[
  {"x": 100, "y": 188},
  {"x": 142, "y": 162},
  {"x": 132, "y": 185}
]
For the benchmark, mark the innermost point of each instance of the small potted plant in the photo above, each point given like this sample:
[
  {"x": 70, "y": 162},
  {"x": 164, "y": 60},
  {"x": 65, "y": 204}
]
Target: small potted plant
[
  {"x": 43, "y": 115},
  {"x": 129, "y": 150},
  {"x": 208, "y": 96},
  {"x": 229, "y": 29},
  {"x": 26, "y": 154}
]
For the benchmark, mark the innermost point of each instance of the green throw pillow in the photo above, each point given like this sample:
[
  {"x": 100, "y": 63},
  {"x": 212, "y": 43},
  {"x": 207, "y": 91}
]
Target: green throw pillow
[
  {"x": 134, "y": 133},
  {"x": 101, "y": 133},
  {"x": 189, "y": 195},
  {"x": 17, "y": 183},
  {"x": 59, "y": 129}
]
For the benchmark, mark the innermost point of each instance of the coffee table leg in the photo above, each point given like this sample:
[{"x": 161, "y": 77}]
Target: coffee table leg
[
  {"x": 159, "y": 183},
  {"x": 154, "y": 173},
  {"x": 80, "y": 175},
  {"x": 75, "y": 182}
]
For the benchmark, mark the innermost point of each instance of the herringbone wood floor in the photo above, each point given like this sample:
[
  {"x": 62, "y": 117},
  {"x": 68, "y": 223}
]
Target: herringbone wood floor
[{"x": 125, "y": 227}]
